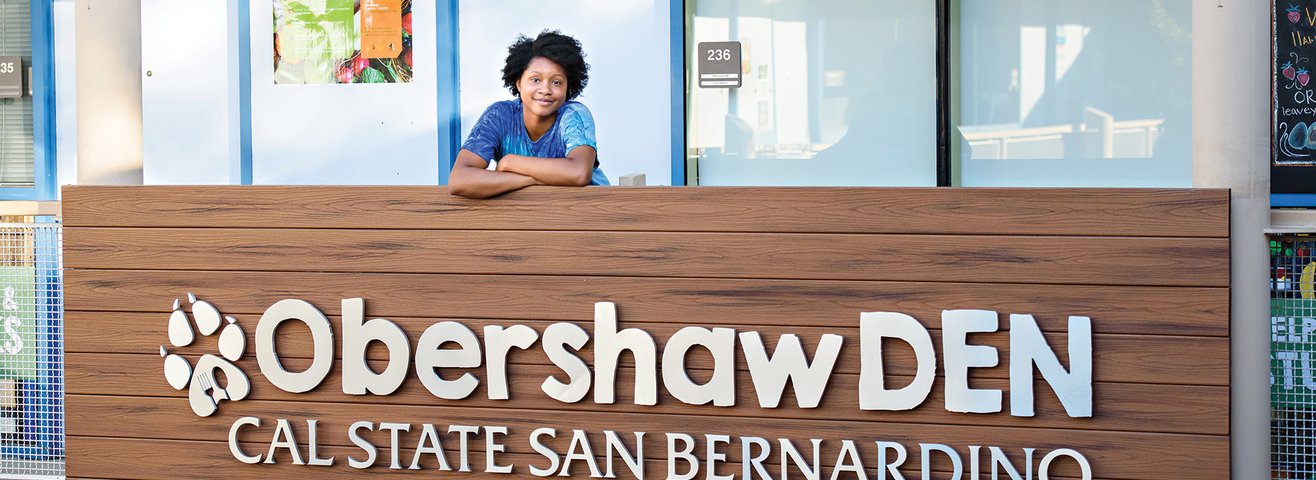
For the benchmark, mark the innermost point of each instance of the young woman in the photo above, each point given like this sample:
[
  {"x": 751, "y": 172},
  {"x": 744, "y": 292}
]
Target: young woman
[{"x": 543, "y": 136}]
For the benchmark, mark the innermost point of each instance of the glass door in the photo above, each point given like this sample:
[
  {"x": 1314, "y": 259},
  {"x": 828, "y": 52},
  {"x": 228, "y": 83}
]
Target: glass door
[{"x": 821, "y": 92}]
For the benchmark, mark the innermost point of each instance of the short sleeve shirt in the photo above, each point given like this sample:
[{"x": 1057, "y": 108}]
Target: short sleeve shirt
[{"x": 500, "y": 131}]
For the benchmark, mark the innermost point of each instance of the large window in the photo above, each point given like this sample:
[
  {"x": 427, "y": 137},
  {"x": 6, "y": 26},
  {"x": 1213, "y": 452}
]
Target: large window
[
  {"x": 1062, "y": 93},
  {"x": 16, "y": 133},
  {"x": 1034, "y": 93},
  {"x": 834, "y": 92}
]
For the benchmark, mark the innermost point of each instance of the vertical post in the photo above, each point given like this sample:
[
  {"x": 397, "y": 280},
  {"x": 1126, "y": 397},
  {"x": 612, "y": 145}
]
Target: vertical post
[
  {"x": 449, "y": 84},
  {"x": 42, "y": 88},
  {"x": 109, "y": 64},
  {"x": 239, "y": 91},
  {"x": 1231, "y": 149}
]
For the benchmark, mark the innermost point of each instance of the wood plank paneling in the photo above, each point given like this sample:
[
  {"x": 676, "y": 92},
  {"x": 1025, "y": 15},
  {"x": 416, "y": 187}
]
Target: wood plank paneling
[
  {"x": 125, "y": 457},
  {"x": 1114, "y": 309},
  {"x": 1149, "y": 267},
  {"x": 971, "y": 211},
  {"x": 1125, "y": 406},
  {"x": 1123, "y": 358},
  {"x": 989, "y": 259},
  {"x": 159, "y": 418}
]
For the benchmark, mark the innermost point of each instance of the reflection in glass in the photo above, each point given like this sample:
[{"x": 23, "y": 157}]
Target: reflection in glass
[
  {"x": 835, "y": 92},
  {"x": 1074, "y": 93},
  {"x": 16, "y": 133}
]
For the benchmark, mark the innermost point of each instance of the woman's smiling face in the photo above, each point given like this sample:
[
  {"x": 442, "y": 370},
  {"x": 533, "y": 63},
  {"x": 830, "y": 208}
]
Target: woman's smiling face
[{"x": 543, "y": 87}]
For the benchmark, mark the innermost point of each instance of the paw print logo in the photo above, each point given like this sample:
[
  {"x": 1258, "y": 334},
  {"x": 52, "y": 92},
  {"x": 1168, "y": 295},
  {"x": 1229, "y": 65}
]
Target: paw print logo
[{"x": 204, "y": 389}]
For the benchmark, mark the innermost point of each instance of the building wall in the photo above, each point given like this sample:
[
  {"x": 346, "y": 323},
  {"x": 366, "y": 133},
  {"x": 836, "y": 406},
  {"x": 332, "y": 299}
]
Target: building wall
[
  {"x": 382, "y": 134},
  {"x": 109, "y": 113},
  {"x": 186, "y": 92},
  {"x": 326, "y": 134}
]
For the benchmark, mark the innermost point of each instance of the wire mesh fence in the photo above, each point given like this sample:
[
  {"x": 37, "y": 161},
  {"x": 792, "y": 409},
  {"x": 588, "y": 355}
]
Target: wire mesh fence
[{"x": 31, "y": 351}]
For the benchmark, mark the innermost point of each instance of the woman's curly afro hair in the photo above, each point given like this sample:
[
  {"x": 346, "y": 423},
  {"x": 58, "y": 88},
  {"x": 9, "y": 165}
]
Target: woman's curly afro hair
[{"x": 553, "y": 45}]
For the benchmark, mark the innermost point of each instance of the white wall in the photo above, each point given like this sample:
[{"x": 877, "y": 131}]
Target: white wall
[
  {"x": 384, "y": 134},
  {"x": 1231, "y": 149},
  {"x": 186, "y": 108},
  {"x": 66, "y": 103},
  {"x": 109, "y": 83},
  {"x": 627, "y": 44}
]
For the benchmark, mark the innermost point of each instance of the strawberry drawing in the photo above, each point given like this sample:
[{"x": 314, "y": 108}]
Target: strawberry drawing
[
  {"x": 1288, "y": 71},
  {"x": 1294, "y": 16},
  {"x": 1303, "y": 78},
  {"x": 406, "y": 23}
]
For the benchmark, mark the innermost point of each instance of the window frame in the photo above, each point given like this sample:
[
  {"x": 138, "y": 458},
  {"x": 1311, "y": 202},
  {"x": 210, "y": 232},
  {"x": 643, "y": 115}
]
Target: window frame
[
  {"x": 42, "y": 86},
  {"x": 680, "y": 97},
  {"x": 948, "y": 142}
]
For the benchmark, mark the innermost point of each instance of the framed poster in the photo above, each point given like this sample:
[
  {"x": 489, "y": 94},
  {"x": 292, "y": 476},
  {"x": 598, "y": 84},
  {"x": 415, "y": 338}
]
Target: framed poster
[
  {"x": 342, "y": 41},
  {"x": 1293, "y": 103}
]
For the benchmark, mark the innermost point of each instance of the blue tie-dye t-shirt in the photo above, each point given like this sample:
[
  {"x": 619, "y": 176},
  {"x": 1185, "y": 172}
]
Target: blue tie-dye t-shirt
[{"x": 500, "y": 131}]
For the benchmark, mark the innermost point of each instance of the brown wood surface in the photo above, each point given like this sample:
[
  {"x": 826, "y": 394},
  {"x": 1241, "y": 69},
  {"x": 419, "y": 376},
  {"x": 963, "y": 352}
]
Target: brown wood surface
[
  {"x": 1150, "y": 267},
  {"x": 972, "y": 211},
  {"x": 124, "y": 457},
  {"x": 1122, "y": 406},
  {"x": 1118, "y": 454},
  {"x": 1114, "y": 309},
  {"x": 1122, "y": 358},
  {"x": 989, "y": 259}
]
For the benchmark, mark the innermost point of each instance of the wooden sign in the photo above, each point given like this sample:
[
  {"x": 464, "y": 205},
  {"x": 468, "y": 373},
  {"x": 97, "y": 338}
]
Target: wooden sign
[{"x": 299, "y": 332}]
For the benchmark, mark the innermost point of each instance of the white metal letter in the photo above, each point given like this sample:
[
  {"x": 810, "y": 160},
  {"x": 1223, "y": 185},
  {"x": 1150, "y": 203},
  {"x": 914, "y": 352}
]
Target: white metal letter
[
  {"x": 498, "y": 342},
  {"x": 686, "y": 454},
  {"x": 1028, "y": 347},
  {"x": 363, "y": 444},
  {"x": 714, "y": 457},
  {"x": 358, "y": 377},
  {"x": 556, "y": 338},
  {"x": 1045, "y": 466},
  {"x": 788, "y": 361},
  {"x": 959, "y": 357},
  {"x": 429, "y": 443},
  {"x": 233, "y": 440},
  {"x": 873, "y": 394},
  {"x": 395, "y": 462},
  {"x": 283, "y": 438},
  {"x": 635, "y": 462},
  {"x": 848, "y": 461},
  {"x": 811, "y": 471},
  {"x": 885, "y": 466},
  {"x": 721, "y": 389},
  {"x": 753, "y": 464},
  {"x": 957, "y": 467},
  {"x": 544, "y": 450},
  {"x": 431, "y": 356},
  {"x": 608, "y": 345},
  {"x": 322, "y": 339},
  {"x": 312, "y": 445}
]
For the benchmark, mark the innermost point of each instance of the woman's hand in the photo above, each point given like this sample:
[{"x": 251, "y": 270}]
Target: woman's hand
[
  {"x": 471, "y": 178},
  {"x": 576, "y": 170}
]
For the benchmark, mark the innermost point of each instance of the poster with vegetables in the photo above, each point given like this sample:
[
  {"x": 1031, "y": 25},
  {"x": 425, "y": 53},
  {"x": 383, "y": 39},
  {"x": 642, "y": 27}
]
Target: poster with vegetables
[
  {"x": 342, "y": 41},
  {"x": 1294, "y": 92}
]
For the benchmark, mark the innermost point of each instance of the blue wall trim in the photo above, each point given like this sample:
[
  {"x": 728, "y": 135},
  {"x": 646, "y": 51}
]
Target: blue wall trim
[
  {"x": 448, "y": 82},
  {"x": 1279, "y": 200},
  {"x": 244, "y": 89},
  {"x": 43, "y": 109},
  {"x": 677, "y": 33}
]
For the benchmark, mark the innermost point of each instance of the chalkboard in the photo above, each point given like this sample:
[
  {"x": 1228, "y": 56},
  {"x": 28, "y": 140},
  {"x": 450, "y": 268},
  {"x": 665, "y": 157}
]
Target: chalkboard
[{"x": 1293, "y": 98}]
